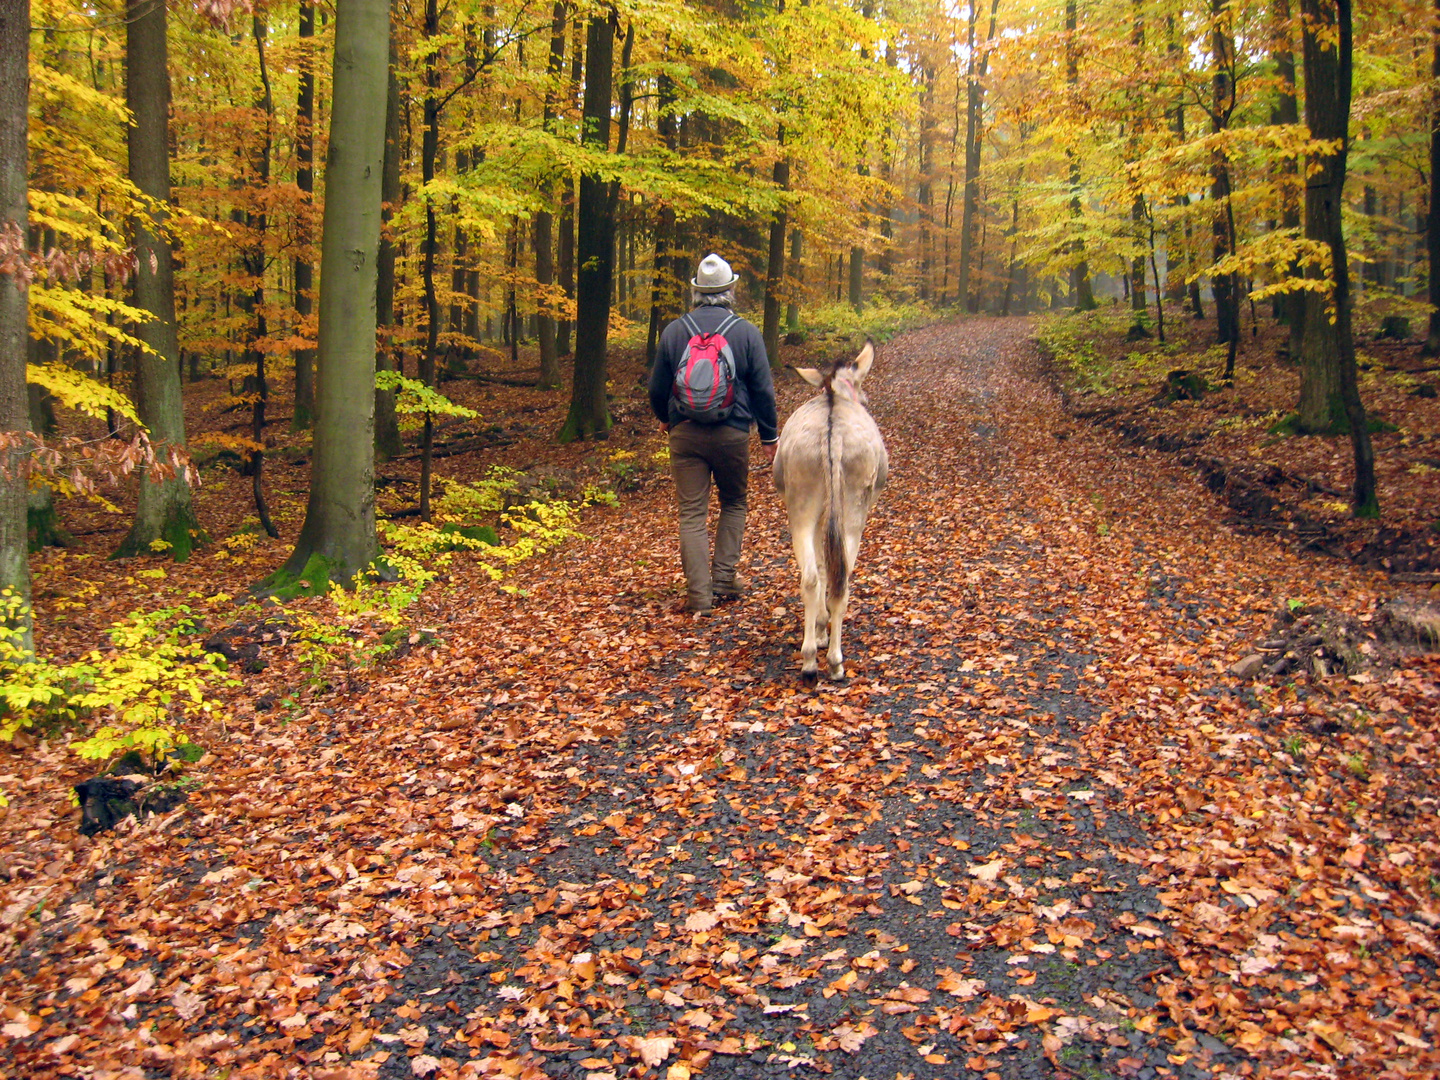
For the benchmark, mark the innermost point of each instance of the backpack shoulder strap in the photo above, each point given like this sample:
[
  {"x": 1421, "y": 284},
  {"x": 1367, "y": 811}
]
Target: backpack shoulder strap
[
  {"x": 731, "y": 321},
  {"x": 691, "y": 325}
]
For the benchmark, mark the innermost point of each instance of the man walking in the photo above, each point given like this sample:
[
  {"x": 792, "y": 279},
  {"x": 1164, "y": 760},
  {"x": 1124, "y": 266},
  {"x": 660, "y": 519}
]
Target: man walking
[{"x": 710, "y": 381}]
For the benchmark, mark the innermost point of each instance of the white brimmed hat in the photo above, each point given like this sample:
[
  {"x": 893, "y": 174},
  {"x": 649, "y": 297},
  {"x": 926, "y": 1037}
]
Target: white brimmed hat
[{"x": 714, "y": 275}]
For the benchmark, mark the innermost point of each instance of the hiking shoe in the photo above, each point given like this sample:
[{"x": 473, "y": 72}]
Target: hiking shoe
[
  {"x": 685, "y": 607},
  {"x": 730, "y": 590}
]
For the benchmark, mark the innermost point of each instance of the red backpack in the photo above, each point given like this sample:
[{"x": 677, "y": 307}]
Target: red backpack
[{"x": 704, "y": 388}]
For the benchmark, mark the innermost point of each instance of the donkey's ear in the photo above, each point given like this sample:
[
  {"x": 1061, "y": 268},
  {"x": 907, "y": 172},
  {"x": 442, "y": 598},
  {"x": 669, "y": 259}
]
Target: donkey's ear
[
  {"x": 811, "y": 375},
  {"x": 864, "y": 360}
]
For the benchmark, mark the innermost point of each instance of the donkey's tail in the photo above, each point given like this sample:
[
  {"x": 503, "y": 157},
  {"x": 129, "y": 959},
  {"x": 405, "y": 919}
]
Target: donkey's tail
[{"x": 835, "y": 571}]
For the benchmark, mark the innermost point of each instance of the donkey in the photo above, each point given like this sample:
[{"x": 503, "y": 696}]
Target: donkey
[{"x": 829, "y": 468}]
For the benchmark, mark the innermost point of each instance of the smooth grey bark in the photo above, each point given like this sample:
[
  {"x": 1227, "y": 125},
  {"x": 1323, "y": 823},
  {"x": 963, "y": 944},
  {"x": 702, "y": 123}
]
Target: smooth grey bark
[
  {"x": 775, "y": 264},
  {"x": 1432, "y": 224},
  {"x": 857, "y": 251},
  {"x": 1287, "y": 111},
  {"x": 544, "y": 231},
  {"x": 42, "y": 524},
  {"x": 856, "y": 292},
  {"x": 430, "y": 246},
  {"x": 305, "y": 181},
  {"x": 1222, "y": 213},
  {"x": 797, "y": 276},
  {"x": 459, "y": 351},
  {"x": 1328, "y": 380},
  {"x": 926, "y": 211},
  {"x": 254, "y": 303},
  {"x": 1138, "y": 216},
  {"x": 387, "y": 424},
  {"x": 164, "y": 511},
  {"x": 589, "y": 412},
  {"x": 15, "y": 620},
  {"x": 1012, "y": 234},
  {"x": 974, "y": 115},
  {"x": 565, "y": 244},
  {"x": 338, "y": 536},
  {"x": 664, "y": 295},
  {"x": 1082, "y": 295}
]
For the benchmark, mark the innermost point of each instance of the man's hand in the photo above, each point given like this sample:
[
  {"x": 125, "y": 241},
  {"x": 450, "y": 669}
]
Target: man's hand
[
  {"x": 664, "y": 429},
  {"x": 769, "y": 449}
]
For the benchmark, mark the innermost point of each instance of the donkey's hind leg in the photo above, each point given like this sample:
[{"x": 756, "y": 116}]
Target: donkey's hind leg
[
  {"x": 811, "y": 591},
  {"x": 838, "y": 604},
  {"x": 833, "y": 657}
]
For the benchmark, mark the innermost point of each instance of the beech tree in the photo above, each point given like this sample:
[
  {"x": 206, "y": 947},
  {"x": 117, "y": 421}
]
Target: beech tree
[
  {"x": 387, "y": 425},
  {"x": 14, "y": 314},
  {"x": 338, "y": 540},
  {"x": 595, "y": 250},
  {"x": 164, "y": 514},
  {"x": 1329, "y": 389},
  {"x": 1019, "y": 145},
  {"x": 305, "y": 180},
  {"x": 1432, "y": 224}
]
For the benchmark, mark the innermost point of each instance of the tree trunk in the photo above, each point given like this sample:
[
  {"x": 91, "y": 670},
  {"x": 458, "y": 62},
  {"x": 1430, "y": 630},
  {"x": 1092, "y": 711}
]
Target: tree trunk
[
  {"x": 15, "y": 618},
  {"x": 164, "y": 511},
  {"x": 1432, "y": 223},
  {"x": 924, "y": 194},
  {"x": 883, "y": 262},
  {"x": 775, "y": 268},
  {"x": 544, "y": 231},
  {"x": 856, "y": 292},
  {"x": 565, "y": 246},
  {"x": 1177, "y": 284},
  {"x": 458, "y": 352},
  {"x": 1082, "y": 295},
  {"x": 589, "y": 413},
  {"x": 1287, "y": 111},
  {"x": 387, "y": 423},
  {"x": 1012, "y": 232},
  {"x": 305, "y": 181},
  {"x": 1138, "y": 273},
  {"x": 974, "y": 115},
  {"x": 665, "y": 227},
  {"x": 42, "y": 525},
  {"x": 338, "y": 539},
  {"x": 257, "y": 224},
  {"x": 797, "y": 276},
  {"x": 1138, "y": 105},
  {"x": 429, "y": 151},
  {"x": 1226, "y": 285},
  {"x": 1328, "y": 384}
]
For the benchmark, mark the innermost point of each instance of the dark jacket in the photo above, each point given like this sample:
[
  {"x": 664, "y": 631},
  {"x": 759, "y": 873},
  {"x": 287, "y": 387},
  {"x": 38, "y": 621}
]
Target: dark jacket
[{"x": 754, "y": 389}]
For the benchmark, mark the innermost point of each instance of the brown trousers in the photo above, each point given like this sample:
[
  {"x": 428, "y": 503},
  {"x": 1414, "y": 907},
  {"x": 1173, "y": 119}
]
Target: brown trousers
[{"x": 699, "y": 452}]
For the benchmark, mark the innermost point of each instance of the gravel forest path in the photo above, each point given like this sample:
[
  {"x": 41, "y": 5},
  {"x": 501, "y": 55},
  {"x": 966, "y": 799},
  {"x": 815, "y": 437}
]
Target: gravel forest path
[{"x": 1041, "y": 831}]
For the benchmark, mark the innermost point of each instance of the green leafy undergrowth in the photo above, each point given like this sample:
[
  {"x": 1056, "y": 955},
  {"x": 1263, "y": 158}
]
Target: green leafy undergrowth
[
  {"x": 880, "y": 319},
  {"x": 1069, "y": 341},
  {"x": 414, "y": 400},
  {"x": 1073, "y": 342},
  {"x": 495, "y": 521},
  {"x": 137, "y": 694}
]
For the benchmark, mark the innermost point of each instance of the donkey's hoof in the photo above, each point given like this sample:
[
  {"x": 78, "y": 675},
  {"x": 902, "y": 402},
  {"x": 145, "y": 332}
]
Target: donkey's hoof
[
  {"x": 837, "y": 672},
  {"x": 810, "y": 678}
]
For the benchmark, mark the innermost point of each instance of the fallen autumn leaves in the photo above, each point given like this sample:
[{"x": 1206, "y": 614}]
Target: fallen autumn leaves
[{"x": 1043, "y": 830}]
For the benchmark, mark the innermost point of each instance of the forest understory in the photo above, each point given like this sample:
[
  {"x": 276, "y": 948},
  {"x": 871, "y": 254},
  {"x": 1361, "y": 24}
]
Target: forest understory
[{"x": 1132, "y": 776}]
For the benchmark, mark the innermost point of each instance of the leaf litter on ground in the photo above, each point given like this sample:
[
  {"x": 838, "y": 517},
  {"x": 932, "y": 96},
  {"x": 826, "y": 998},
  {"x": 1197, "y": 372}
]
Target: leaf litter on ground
[{"x": 1042, "y": 830}]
